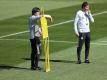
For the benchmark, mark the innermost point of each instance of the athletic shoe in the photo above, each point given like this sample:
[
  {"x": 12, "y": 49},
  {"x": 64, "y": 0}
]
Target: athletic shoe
[
  {"x": 87, "y": 61},
  {"x": 79, "y": 62},
  {"x": 33, "y": 68},
  {"x": 38, "y": 68}
]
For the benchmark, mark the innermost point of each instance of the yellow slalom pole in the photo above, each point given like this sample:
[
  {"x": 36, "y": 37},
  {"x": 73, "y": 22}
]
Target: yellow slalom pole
[
  {"x": 46, "y": 51},
  {"x": 44, "y": 27},
  {"x": 47, "y": 55}
]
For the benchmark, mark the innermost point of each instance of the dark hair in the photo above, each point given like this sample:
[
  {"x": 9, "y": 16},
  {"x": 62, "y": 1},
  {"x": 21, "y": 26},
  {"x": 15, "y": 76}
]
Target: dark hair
[
  {"x": 84, "y": 4},
  {"x": 34, "y": 10}
]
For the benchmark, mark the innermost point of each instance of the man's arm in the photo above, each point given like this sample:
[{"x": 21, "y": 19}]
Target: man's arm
[
  {"x": 48, "y": 16},
  {"x": 40, "y": 31},
  {"x": 31, "y": 19},
  {"x": 75, "y": 25},
  {"x": 89, "y": 15}
]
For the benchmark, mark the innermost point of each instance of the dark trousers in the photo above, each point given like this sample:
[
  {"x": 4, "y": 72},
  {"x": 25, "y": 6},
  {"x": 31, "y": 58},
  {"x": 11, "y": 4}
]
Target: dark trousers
[
  {"x": 83, "y": 37},
  {"x": 34, "y": 51}
]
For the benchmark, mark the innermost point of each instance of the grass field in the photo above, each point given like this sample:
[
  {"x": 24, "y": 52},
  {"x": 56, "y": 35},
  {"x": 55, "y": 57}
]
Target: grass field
[{"x": 15, "y": 49}]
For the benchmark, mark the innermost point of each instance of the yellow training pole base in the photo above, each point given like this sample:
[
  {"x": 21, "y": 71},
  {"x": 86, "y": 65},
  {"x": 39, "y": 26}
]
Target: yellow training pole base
[
  {"x": 48, "y": 70},
  {"x": 46, "y": 50}
]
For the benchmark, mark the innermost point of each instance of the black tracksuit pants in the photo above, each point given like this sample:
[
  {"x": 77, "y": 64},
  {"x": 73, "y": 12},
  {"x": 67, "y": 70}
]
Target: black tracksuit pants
[
  {"x": 83, "y": 37},
  {"x": 34, "y": 53}
]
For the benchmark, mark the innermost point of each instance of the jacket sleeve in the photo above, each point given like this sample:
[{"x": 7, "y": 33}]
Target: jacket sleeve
[
  {"x": 91, "y": 17},
  {"x": 76, "y": 23}
]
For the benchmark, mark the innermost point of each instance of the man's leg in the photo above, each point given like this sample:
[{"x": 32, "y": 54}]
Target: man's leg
[
  {"x": 38, "y": 52},
  {"x": 36, "y": 60},
  {"x": 79, "y": 48},
  {"x": 87, "y": 47},
  {"x": 33, "y": 53}
]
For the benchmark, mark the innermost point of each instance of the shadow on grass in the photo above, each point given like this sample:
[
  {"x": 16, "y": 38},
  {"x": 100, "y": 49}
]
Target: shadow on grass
[
  {"x": 2, "y": 66},
  {"x": 7, "y": 67},
  {"x": 62, "y": 61}
]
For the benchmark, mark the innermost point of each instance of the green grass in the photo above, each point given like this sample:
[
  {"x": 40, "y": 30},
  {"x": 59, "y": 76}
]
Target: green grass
[
  {"x": 61, "y": 33},
  {"x": 63, "y": 67},
  {"x": 14, "y": 8},
  {"x": 63, "y": 55}
]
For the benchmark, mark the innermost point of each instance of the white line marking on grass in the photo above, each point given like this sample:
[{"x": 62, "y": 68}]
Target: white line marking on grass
[
  {"x": 101, "y": 44},
  {"x": 13, "y": 34},
  {"x": 61, "y": 23},
  {"x": 103, "y": 41},
  {"x": 104, "y": 12},
  {"x": 55, "y": 41},
  {"x": 70, "y": 42},
  {"x": 95, "y": 14},
  {"x": 14, "y": 40}
]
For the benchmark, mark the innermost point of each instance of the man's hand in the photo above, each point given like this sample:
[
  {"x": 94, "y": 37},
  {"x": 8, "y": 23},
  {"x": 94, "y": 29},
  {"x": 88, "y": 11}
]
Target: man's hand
[
  {"x": 77, "y": 34},
  {"x": 89, "y": 11},
  {"x": 49, "y": 17}
]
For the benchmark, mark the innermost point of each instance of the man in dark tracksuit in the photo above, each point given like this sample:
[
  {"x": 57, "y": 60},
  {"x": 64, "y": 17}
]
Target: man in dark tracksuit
[
  {"x": 35, "y": 33},
  {"x": 82, "y": 30}
]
